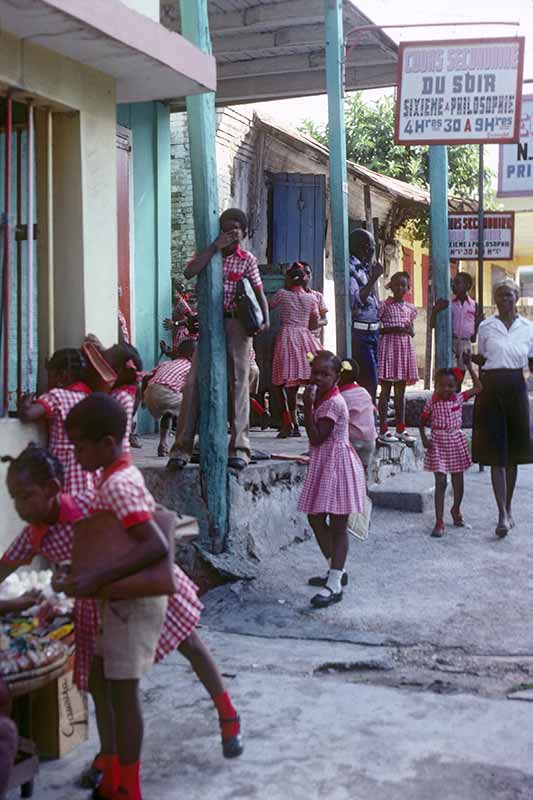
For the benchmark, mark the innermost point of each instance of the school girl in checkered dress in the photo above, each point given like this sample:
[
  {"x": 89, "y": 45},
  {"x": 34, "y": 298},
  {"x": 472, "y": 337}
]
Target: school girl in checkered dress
[
  {"x": 66, "y": 381},
  {"x": 320, "y": 302},
  {"x": 335, "y": 485},
  {"x": 160, "y": 625},
  {"x": 128, "y": 365},
  {"x": 396, "y": 356},
  {"x": 294, "y": 341},
  {"x": 447, "y": 449}
]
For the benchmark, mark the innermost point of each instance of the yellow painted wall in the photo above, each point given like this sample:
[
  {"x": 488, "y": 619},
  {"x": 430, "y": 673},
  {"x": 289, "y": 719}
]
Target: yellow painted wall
[
  {"x": 84, "y": 189},
  {"x": 418, "y": 251}
]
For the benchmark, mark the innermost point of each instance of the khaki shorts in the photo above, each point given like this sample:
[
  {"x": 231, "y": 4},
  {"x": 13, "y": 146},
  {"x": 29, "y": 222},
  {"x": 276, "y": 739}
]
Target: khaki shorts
[
  {"x": 459, "y": 348},
  {"x": 161, "y": 400},
  {"x": 364, "y": 449},
  {"x": 129, "y": 635}
]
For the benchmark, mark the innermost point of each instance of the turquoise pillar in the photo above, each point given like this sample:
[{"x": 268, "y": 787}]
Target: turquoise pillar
[
  {"x": 212, "y": 371},
  {"x": 440, "y": 260},
  {"x": 150, "y": 130},
  {"x": 338, "y": 172}
]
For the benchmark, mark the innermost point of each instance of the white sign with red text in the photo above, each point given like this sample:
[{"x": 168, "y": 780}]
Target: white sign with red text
[
  {"x": 459, "y": 92},
  {"x": 498, "y": 235}
]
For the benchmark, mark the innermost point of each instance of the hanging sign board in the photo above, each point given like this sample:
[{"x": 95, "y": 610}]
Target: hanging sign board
[
  {"x": 498, "y": 235},
  {"x": 515, "y": 169},
  {"x": 465, "y": 91}
]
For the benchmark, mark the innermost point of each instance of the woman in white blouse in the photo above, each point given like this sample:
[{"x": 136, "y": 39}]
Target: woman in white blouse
[{"x": 501, "y": 436}]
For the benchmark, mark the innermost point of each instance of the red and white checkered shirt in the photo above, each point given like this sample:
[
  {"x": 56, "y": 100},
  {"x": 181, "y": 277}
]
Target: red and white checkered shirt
[
  {"x": 122, "y": 491},
  {"x": 444, "y": 415},
  {"x": 53, "y": 542},
  {"x": 58, "y": 403},
  {"x": 172, "y": 374},
  {"x": 241, "y": 264},
  {"x": 126, "y": 395}
]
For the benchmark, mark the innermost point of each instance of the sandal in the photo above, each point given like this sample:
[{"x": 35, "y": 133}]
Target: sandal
[
  {"x": 458, "y": 519},
  {"x": 232, "y": 747},
  {"x": 319, "y": 582},
  {"x": 163, "y": 451},
  {"x": 319, "y": 601},
  {"x": 175, "y": 464},
  {"x": 438, "y": 530},
  {"x": 296, "y": 433}
]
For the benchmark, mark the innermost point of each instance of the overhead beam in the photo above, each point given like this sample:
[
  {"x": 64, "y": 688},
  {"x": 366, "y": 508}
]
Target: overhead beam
[
  {"x": 298, "y": 84},
  {"x": 279, "y": 40},
  {"x": 302, "y": 62},
  {"x": 265, "y": 17}
]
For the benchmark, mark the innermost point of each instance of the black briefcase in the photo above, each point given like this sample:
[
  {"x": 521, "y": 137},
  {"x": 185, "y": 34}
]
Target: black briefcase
[{"x": 249, "y": 311}]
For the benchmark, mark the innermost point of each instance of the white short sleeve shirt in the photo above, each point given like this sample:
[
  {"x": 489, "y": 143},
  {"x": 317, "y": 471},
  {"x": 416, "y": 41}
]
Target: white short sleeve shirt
[{"x": 505, "y": 348}]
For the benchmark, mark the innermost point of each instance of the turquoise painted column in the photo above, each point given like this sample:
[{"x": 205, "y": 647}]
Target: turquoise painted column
[
  {"x": 212, "y": 372},
  {"x": 338, "y": 173},
  {"x": 440, "y": 260}
]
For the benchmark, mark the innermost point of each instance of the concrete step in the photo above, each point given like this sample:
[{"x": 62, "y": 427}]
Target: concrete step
[{"x": 406, "y": 491}]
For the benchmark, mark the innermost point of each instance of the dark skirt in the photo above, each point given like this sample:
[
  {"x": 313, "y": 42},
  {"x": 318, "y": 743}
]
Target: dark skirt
[{"x": 501, "y": 435}]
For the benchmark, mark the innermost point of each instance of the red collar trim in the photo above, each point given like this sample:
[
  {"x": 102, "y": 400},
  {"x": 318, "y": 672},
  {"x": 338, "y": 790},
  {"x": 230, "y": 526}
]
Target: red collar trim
[
  {"x": 69, "y": 511},
  {"x": 240, "y": 253},
  {"x": 297, "y": 289},
  {"x": 129, "y": 388},
  {"x": 79, "y": 386},
  {"x": 436, "y": 399},
  {"x": 332, "y": 393},
  {"x": 123, "y": 462},
  {"x": 348, "y": 386}
]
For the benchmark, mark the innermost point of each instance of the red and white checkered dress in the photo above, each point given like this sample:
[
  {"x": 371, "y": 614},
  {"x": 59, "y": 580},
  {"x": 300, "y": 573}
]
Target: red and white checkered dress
[
  {"x": 396, "y": 354},
  {"x": 126, "y": 395},
  {"x": 172, "y": 374},
  {"x": 335, "y": 481},
  {"x": 54, "y": 542},
  {"x": 57, "y": 404},
  {"x": 290, "y": 365},
  {"x": 123, "y": 492},
  {"x": 322, "y": 310},
  {"x": 449, "y": 448},
  {"x": 241, "y": 264}
]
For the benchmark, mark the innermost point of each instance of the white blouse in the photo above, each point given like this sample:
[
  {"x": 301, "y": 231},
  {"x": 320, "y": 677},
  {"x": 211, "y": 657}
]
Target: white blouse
[{"x": 505, "y": 348}]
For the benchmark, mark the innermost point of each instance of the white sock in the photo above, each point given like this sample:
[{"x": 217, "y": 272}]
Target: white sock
[{"x": 334, "y": 580}]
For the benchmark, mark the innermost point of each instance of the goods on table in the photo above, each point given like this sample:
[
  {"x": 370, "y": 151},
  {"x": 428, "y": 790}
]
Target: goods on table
[{"x": 39, "y": 638}]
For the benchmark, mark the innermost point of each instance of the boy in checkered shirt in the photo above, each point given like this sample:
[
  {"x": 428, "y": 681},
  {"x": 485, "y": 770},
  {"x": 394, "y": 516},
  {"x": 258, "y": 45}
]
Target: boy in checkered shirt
[
  {"x": 236, "y": 264},
  {"x": 164, "y": 390},
  {"x": 160, "y": 624}
]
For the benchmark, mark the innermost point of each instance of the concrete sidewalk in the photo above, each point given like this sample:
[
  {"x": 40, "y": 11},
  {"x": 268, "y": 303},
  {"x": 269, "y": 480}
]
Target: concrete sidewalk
[{"x": 400, "y": 692}]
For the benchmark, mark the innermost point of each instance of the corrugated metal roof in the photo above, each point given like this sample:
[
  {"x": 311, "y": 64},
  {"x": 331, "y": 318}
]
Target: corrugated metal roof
[
  {"x": 400, "y": 190},
  {"x": 254, "y": 41}
]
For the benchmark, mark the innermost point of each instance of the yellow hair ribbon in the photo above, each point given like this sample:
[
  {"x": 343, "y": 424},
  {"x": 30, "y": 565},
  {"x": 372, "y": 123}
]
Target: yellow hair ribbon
[
  {"x": 346, "y": 366},
  {"x": 310, "y": 357}
]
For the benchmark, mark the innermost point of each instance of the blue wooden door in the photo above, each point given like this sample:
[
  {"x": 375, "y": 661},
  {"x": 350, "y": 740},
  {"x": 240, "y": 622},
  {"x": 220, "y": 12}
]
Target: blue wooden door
[{"x": 299, "y": 221}]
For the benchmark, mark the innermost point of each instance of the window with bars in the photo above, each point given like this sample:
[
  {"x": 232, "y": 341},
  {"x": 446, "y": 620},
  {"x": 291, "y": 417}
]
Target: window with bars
[{"x": 18, "y": 256}]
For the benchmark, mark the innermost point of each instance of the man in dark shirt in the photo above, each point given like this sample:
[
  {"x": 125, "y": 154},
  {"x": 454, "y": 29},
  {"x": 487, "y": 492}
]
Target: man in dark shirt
[{"x": 364, "y": 305}]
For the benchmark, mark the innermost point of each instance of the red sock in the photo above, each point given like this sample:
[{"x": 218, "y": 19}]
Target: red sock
[
  {"x": 109, "y": 766},
  {"x": 400, "y": 428},
  {"x": 130, "y": 780},
  {"x": 383, "y": 428},
  {"x": 98, "y": 762},
  {"x": 257, "y": 407},
  {"x": 286, "y": 419},
  {"x": 226, "y": 710}
]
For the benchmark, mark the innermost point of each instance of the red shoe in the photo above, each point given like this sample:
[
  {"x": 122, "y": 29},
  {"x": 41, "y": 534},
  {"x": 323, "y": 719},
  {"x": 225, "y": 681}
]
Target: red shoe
[{"x": 438, "y": 530}]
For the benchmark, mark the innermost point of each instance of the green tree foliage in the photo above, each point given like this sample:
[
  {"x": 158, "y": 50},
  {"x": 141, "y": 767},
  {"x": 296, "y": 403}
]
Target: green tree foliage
[{"x": 370, "y": 142}]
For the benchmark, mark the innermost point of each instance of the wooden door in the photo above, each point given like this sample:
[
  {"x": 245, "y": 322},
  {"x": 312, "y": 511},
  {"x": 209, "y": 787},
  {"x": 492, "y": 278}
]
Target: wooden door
[
  {"x": 299, "y": 221},
  {"x": 123, "y": 222},
  {"x": 409, "y": 267}
]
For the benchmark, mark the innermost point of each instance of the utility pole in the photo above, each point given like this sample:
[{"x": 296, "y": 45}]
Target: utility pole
[{"x": 440, "y": 260}]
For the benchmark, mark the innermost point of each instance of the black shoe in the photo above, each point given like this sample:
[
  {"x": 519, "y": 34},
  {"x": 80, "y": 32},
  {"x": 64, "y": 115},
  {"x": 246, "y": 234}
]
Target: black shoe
[
  {"x": 176, "y": 464},
  {"x": 319, "y": 582},
  {"x": 232, "y": 747},
  {"x": 237, "y": 463},
  {"x": 296, "y": 433},
  {"x": 318, "y": 601},
  {"x": 91, "y": 778}
]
